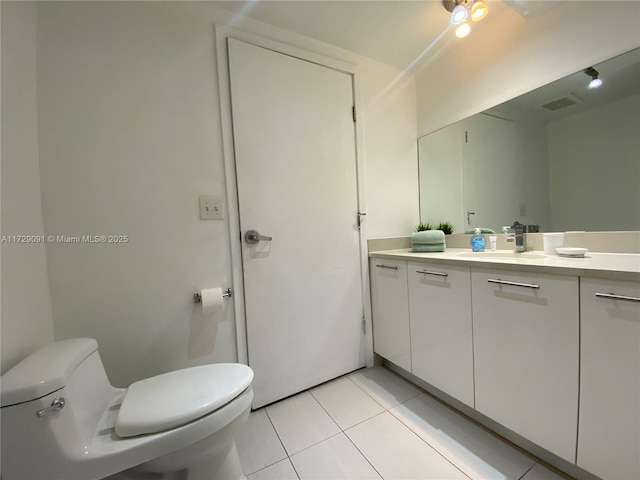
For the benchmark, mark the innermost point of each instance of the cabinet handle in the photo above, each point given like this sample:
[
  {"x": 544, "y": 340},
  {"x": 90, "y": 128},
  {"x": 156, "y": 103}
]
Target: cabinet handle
[
  {"x": 387, "y": 266},
  {"x": 513, "y": 284},
  {"x": 617, "y": 297},
  {"x": 427, "y": 272}
]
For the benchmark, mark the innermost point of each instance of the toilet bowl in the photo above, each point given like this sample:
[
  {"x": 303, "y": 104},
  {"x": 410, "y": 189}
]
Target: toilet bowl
[{"x": 62, "y": 418}]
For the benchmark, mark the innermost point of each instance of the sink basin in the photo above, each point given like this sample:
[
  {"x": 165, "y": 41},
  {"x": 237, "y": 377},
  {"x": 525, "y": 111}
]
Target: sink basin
[{"x": 503, "y": 255}]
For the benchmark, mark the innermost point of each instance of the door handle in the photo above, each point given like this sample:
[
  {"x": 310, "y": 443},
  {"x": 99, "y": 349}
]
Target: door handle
[{"x": 252, "y": 237}]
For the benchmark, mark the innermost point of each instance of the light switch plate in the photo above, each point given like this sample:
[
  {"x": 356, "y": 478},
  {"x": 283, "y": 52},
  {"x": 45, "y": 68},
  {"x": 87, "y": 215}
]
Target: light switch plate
[{"x": 211, "y": 208}]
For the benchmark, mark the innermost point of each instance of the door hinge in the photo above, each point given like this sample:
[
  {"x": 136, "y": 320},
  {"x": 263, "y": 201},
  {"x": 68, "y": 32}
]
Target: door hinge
[
  {"x": 353, "y": 112},
  {"x": 466, "y": 136},
  {"x": 360, "y": 215},
  {"x": 364, "y": 325}
]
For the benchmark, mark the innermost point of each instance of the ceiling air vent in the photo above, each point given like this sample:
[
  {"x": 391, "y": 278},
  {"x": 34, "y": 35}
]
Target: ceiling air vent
[
  {"x": 530, "y": 8},
  {"x": 559, "y": 104},
  {"x": 563, "y": 102}
]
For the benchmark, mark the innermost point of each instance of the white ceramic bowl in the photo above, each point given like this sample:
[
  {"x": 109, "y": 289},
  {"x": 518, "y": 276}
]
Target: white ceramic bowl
[{"x": 571, "y": 252}]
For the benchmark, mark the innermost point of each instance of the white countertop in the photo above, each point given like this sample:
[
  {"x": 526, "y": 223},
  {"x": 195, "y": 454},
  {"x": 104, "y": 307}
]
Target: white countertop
[{"x": 620, "y": 266}]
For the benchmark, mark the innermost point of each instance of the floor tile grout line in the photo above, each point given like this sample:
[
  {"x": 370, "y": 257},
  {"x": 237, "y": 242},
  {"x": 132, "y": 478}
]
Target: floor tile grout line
[
  {"x": 365, "y": 420},
  {"x": 277, "y": 435},
  {"x": 361, "y": 453},
  {"x": 294, "y": 467},
  {"x": 316, "y": 444},
  {"x": 326, "y": 411},
  {"x": 370, "y": 396},
  {"x": 457, "y": 412},
  {"x": 274, "y": 431},
  {"x": 289, "y": 455},
  {"x": 350, "y": 426},
  {"x": 268, "y": 466},
  {"x": 344, "y": 431},
  {"x": 385, "y": 369},
  {"x": 427, "y": 443},
  {"x": 525, "y": 473}
]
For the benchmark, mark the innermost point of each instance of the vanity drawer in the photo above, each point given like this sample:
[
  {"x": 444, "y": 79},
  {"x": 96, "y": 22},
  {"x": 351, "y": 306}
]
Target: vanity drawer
[
  {"x": 609, "y": 433},
  {"x": 390, "y": 311},
  {"x": 441, "y": 331},
  {"x": 526, "y": 334}
]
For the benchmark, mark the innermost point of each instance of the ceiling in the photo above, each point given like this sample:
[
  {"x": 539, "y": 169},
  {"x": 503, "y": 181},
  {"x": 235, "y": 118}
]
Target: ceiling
[
  {"x": 400, "y": 32},
  {"x": 395, "y": 32},
  {"x": 620, "y": 76}
]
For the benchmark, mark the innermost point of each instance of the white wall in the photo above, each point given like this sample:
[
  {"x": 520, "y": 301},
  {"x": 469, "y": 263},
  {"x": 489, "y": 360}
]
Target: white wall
[
  {"x": 129, "y": 129},
  {"x": 26, "y": 306},
  {"x": 507, "y": 55},
  {"x": 592, "y": 187},
  {"x": 390, "y": 151}
]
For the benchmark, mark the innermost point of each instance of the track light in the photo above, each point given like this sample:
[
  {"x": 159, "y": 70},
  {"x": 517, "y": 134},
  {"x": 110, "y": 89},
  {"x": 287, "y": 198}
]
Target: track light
[
  {"x": 459, "y": 15},
  {"x": 463, "y": 30},
  {"x": 479, "y": 10},
  {"x": 593, "y": 73},
  {"x": 461, "y": 10}
]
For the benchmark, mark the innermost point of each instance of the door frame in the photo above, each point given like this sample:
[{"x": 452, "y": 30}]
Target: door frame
[{"x": 222, "y": 32}]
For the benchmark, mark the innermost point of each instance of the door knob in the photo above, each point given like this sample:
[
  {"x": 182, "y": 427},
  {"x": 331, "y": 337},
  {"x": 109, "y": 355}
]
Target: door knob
[{"x": 252, "y": 237}]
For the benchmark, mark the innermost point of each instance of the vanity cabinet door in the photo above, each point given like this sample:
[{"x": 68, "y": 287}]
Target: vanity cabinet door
[
  {"x": 609, "y": 421},
  {"x": 525, "y": 329},
  {"x": 390, "y": 306},
  {"x": 441, "y": 333}
]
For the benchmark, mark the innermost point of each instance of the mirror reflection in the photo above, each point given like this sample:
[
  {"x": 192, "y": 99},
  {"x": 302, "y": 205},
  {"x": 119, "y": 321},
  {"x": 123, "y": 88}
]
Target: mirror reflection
[{"x": 564, "y": 157}]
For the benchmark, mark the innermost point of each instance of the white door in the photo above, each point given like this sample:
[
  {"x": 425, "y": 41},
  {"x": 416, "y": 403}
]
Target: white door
[{"x": 294, "y": 141}]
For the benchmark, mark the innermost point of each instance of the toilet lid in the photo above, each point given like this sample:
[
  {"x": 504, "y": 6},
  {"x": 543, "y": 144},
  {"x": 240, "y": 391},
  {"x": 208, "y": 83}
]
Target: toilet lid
[{"x": 176, "y": 398}]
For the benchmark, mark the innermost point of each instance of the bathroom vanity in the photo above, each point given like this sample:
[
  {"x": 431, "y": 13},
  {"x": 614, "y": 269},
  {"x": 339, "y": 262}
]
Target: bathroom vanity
[{"x": 542, "y": 346}]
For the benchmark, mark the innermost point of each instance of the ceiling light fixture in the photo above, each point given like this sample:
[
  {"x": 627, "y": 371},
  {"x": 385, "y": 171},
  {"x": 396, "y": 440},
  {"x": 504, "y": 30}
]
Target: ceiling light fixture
[
  {"x": 461, "y": 10},
  {"x": 459, "y": 15},
  {"x": 463, "y": 30},
  {"x": 479, "y": 10},
  {"x": 593, "y": 73}
]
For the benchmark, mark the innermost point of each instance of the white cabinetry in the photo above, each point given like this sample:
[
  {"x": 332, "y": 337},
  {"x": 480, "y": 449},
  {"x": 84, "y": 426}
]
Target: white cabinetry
[
  {"x": 441, "y": 333},
  {"x": 525, "y": 335},
  {"x": 391, "y": 337},
  {"x": 609, "y": 425}
]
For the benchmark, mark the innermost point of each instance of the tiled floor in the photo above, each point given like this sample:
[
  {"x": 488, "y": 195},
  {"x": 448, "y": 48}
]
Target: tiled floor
[{"x": 374, "y": 424}]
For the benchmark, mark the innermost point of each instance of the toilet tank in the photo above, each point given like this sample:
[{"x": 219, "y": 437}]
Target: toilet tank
[
  {"x": 39, "y": 446},
  {"x": 45, "y": 371}
]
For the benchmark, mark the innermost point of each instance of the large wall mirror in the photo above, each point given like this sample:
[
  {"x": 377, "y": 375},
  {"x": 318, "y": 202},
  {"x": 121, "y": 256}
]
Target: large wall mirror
[{"x": 564, "y": 157}]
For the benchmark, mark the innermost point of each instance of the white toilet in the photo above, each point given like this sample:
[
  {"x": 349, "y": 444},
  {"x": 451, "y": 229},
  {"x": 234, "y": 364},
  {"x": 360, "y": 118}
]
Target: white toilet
[{"x": 62, "y": 419}]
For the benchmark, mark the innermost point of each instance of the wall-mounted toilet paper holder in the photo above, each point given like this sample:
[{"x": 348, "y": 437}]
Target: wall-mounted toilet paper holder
[{"x": 197, "y": 298}]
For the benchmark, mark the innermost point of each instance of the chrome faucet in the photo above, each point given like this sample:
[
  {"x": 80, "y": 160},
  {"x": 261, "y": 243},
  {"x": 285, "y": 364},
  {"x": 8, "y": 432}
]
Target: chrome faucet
[{"x": 517, "y": 233}]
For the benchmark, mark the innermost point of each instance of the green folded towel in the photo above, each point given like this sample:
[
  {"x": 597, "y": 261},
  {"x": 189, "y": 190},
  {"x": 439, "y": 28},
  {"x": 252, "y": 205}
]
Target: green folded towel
[
  {"x": 433, "y": 247},
  {"x": 427, "y": 237},
  {"x": 482, "y": 230}
]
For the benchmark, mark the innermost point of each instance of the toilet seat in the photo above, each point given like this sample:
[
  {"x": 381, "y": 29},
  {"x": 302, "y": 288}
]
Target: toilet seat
[{"x": 173, "y": 399}]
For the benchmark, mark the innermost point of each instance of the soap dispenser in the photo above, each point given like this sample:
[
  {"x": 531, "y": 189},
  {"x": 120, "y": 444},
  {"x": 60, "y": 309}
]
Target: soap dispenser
[{"x": 478, "y": 241}]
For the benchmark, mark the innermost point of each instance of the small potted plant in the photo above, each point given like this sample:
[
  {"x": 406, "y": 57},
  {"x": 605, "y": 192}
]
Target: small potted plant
[
  {"x": 446, "y": 227},
  {"x": 423, "y": 227}
]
